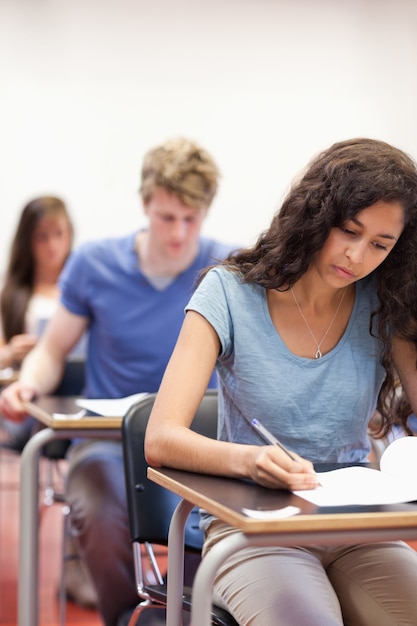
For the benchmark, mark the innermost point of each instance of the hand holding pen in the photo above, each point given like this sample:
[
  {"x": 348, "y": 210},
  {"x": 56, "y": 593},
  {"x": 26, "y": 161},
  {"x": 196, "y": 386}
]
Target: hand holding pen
[{"x": 269, "y": 438}]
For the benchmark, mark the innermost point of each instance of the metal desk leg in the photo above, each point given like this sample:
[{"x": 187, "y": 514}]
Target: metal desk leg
[
  {"x": 206, "y": 572},
  {"x": 28, "y": 610},
  {"x": 29, "y": 528},
  {"x": 176, "y": 563}
]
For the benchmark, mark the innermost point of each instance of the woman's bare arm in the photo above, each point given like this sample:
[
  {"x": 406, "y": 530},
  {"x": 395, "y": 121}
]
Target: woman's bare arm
[{"x": 169, "y": 440}]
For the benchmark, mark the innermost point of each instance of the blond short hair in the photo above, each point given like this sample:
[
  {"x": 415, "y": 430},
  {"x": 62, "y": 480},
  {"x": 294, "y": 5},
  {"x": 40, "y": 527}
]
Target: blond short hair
[{"x": 183, "y": 168}]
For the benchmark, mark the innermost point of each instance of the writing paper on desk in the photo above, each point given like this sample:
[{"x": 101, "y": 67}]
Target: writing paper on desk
[
  {"x": 395, "y": 482},
  {"x": 113, "y": 407}
]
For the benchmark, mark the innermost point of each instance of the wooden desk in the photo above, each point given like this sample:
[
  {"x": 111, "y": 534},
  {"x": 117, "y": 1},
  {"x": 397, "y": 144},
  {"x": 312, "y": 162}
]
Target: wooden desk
[
  {"x": 225, "y": 497},
  {"x": 87, "y": 428},
  {"x": 45, "y": 408}
]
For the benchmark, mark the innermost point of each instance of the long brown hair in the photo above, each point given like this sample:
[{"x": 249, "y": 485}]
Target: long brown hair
[{"x": 19, "y": 278}]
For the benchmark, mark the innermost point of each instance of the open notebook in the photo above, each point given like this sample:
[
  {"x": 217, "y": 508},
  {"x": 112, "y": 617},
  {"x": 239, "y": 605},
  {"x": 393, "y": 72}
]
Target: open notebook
[{"x": 393, "y": 483}]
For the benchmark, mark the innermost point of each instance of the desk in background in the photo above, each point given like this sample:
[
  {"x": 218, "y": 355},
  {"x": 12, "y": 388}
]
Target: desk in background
[
  {"x": 225, "y": 497},
  {"x": 89, "y": 427}
]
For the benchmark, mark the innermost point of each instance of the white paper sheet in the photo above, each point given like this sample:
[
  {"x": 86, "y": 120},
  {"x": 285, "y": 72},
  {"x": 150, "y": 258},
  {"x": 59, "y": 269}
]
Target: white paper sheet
[
  {"x": 395, "y": 482},
  {"x": 114, "y": 407}
]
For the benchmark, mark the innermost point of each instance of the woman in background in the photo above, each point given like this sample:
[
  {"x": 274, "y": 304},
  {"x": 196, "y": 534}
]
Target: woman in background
[{"x": 30, "y": 293}]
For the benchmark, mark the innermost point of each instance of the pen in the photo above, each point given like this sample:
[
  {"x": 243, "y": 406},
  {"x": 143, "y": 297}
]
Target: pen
[{"x": 269, "y": 437}]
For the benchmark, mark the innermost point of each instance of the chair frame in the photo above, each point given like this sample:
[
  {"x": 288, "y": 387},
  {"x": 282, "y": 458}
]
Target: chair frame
[{"x": 150, "y": 508}]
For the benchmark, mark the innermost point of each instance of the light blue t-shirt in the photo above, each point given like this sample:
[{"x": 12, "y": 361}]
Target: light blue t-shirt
[
  {"x": 320, "y": 408},
  {"x": 133, "y": 326}
]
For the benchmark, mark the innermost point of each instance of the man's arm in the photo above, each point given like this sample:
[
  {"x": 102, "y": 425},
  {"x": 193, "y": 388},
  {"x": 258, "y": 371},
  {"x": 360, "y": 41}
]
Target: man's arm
[{"x": 43, "y": 367}]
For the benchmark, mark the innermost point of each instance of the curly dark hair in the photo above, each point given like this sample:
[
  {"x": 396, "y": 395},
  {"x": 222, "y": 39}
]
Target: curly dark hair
[{"x": 339, "y": 183}]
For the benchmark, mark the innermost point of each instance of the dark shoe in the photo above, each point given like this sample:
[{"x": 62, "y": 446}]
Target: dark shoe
[{"x": 79, "y": 587}]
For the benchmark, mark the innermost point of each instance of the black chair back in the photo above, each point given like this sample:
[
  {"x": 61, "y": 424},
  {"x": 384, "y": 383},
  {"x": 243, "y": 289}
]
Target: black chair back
[{"x": 151, "y": 506}]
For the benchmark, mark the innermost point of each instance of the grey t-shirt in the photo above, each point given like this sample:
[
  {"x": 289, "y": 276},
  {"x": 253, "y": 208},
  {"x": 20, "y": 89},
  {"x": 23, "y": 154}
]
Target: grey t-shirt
[{"x": 318, "y": 408}]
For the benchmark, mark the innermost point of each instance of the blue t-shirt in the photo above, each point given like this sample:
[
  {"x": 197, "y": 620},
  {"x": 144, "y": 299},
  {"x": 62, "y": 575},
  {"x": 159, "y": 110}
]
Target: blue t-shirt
[
  {"x": 133, "y": 326},
  {"x": 320, "y": 408}
]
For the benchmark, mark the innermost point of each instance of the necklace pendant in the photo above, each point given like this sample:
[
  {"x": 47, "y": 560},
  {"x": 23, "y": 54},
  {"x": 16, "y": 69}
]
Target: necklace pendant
[{"x": 318, "y": 353}]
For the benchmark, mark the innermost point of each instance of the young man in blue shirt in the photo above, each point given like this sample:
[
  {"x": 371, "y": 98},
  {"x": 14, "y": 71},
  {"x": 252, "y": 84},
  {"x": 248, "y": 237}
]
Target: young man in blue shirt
[{"x": 129, "y": 294}]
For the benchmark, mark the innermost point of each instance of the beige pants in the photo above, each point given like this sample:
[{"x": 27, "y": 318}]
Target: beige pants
[{"x": 362, "y": 585}]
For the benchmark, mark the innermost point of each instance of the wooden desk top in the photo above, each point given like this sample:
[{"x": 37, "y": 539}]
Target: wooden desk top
[
  {"x": 225, "y": 497},
  {"x": 44, "y": 408}
]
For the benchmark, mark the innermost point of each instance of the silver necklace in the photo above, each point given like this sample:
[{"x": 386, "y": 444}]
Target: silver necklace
[{"x": 318, "y": 353}]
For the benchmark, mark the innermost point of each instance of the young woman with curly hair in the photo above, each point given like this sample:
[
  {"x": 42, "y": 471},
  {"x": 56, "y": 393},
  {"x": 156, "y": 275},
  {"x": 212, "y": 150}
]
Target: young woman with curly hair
[{"x": 309, "y": 330}]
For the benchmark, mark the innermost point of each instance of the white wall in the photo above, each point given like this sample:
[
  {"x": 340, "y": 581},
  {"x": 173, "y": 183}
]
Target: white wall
[{"x": 87, "y": 86}]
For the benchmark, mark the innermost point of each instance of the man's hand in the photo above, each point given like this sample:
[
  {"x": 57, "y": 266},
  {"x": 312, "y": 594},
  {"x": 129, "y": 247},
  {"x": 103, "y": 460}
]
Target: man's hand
[{"x": 12, "y": 399}]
